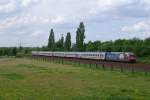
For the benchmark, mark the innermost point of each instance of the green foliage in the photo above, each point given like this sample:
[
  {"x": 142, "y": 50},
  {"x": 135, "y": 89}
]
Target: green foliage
[
  {"x": 14, "y": 51},
  {"x": 8, "y": 51},
  {"x": 68, "y": 42},
  {"x": 80, "y": 36},
  {"x": 139, "y": 47},
  {"x": 60, "y": 44},
  {"x": 144, "y": 59},
  {"x": 51, "y": 41},
  {"x": 18, "y": 52},
  {"x": 90, "y": 46}
]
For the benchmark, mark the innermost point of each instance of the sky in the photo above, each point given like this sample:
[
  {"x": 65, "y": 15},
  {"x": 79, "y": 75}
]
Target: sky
[{"x": 28, "y": 22}]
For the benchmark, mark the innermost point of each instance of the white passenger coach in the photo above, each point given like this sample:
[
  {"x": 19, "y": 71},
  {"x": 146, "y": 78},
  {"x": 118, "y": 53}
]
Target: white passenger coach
[{"x": 108, "y": 56}]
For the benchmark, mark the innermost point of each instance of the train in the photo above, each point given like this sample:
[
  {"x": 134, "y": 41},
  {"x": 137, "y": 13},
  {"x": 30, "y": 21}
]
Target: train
[{"x": 104, "y": 56}]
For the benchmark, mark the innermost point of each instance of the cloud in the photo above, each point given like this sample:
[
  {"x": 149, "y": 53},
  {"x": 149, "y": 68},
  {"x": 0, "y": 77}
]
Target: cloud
[
  {"x": 121, "y": 8},
  {"x": 22, "y": 21},
  {"x": 139, "y": 27},
  {"x": 26, "y": 3},
  {"x": 34, "y": 18},
  {"x": 7, "y": 7},
  {"x": 35, "y": 34},
  {"x": 24, "y": 25},
  {"x": 29, "y": 25}
]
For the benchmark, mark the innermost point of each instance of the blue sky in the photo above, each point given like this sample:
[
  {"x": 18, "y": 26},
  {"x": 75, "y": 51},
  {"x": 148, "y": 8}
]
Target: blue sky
[{"x": 28, "y": 22}]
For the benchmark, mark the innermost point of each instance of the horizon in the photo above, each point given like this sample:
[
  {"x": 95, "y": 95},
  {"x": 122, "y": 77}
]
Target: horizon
[{"x": 45, "y": 45}]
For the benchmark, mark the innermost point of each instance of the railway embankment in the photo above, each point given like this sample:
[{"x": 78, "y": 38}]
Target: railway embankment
[{"x": 133, "y": 67}]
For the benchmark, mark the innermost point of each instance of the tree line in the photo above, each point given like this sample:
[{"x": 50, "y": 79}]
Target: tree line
[
  {"x": 138, "y": 46},
  {"x": 17, "y": 51},
  {"x": 65, "y": 44},
  {"x": 61, "y": 45},
  {"x": 8, "y": 51},
  {"x": 135, "y": 45}
]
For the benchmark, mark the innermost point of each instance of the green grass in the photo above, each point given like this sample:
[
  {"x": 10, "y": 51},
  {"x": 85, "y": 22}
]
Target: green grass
[
  {"x": 13, "y": 76},
  {"x": 25, "y": 79}
]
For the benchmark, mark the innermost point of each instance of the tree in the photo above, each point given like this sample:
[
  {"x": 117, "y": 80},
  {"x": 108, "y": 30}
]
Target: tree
[
  {"x": 14, "y": 51},
  {"x": 80, "y": 36},
  {"x": 51, "y": 41},
  {"x": 147, "y": 46},
  {"x": 73, "y": 47},
  {"x": 97, "y": 45},
  {"x": 60, "y": 44},
  {"x": 90, "y": 46},
  {"x": 68, "y": 42}
]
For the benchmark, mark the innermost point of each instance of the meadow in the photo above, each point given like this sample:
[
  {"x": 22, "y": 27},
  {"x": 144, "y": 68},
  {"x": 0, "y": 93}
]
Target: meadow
[{"x": 27, "y": 79}]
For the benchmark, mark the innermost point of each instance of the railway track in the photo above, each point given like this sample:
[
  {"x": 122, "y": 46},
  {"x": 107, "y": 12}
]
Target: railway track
[{"x": 107, "y": 64}]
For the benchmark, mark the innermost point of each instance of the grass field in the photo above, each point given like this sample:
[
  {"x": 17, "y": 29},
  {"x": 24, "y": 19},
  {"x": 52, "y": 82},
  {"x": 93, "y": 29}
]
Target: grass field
[{"x": 24, "y": 79}]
